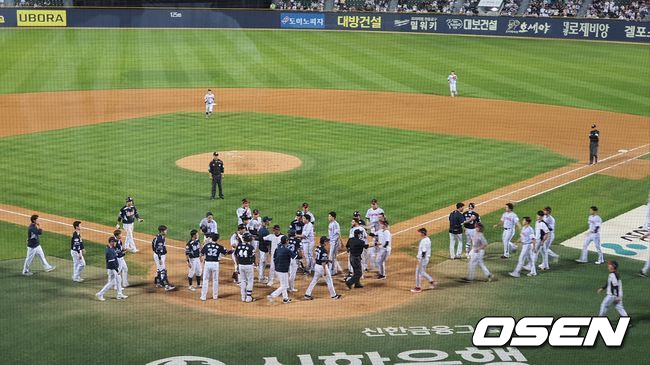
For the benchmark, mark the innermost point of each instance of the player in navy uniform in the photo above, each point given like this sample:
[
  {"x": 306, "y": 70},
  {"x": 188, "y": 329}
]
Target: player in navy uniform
[
  {"x": 282, "y": 259},
  {"x": 216, "y": 172},
  {"x": 297, "y": 224},
  {"x": 120, "y": 251},
  {"x": 77, "y": 251},
  {"x": 111, "y": 268},
  {"x": 264, "y": 248},
  {"x": 193, "y": 255},
  {"x": 159, "y": 247},
  {"x": 212, "y": 252},
  {"x": 127, "y": 216},
  {"x": 321, "y": 268},
  {"x": 613, "y": 291},
  {"x": 34, "y": 248},
  {"x": 245, "y": 255},
  {"x": 471, "y": 219},
  {"x": 294, "y": 245}
]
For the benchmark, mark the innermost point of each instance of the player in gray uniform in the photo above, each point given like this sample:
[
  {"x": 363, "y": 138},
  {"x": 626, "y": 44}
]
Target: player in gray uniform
[
  {"x": 307, "y": 242},
  {"x": 208, "y": 225},
  {"x": 77, "y": 251},
  {"x": 476, "y": 256},
  {"x": 245, "y": 254},
  {"x": 334, "y": 232}
]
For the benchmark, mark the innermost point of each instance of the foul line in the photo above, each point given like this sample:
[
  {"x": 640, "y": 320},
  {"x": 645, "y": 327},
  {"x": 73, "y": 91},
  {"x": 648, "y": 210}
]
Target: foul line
[{"x": 538, "y": 183}]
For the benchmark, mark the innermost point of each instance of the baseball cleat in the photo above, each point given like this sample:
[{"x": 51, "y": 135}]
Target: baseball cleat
[
  {"x": 531, "y": 274},
  {"x": 100, "y": 297},
  {"x": 581, "y": 261},
  {"x": 337, "y": 297},
  {"x": 293, "y": 290},
  {"x": 28, "y": 273},
  {"x": 286, "y": 301},
  {"x": 122, "y": 296},
  {"x": 51, "y": 268},
  {"x": 416, "y": 290},
  {"x": 433, "y": 284},
  {"x": 599, "y": 262},
  {"x": 169, "y": 288},
  {"x": 203, "y": 299},
  {"x": 308, "y": 297},
  {"x": 191, "y": 288},
  {"x": 514, "y": 274},
  {"x": 489, "y": 278},
  {"x": 358, "y": 286},
  {"x": 642, "y": 274},
  {"x": 505, "y": 257},
  {"x": 270, "y": 298}
]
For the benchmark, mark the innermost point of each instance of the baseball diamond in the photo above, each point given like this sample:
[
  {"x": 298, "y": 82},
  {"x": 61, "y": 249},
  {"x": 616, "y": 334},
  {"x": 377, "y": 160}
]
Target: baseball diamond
[{"x": 349, "y": 156}]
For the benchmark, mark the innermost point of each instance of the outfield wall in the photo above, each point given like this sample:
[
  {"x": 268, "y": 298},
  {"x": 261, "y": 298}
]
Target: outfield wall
[{"x": 566, "y": 28}]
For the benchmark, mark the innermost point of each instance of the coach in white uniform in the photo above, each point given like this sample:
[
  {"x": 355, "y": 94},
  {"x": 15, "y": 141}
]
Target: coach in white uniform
[
  {"x": 593, "y": 235},
  {"x": 509, "y": 221},
  {"x": 334, "y": 234},
  {"x": 424, "y": 254}
]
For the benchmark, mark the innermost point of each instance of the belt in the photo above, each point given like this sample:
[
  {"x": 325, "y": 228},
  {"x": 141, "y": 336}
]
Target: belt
[{"x": 506, "y": 229}]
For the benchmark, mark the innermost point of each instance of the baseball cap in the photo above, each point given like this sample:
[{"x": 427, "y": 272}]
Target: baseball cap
[
  {"x": 241, "y": 226},
  {"x": 215, "y": 154},
  {"x": 614, "y": 263},
  {"x": 283, "y": 240},
  {"x": 324, "y": 239},
  {"x": 356, "y": 214},
  {"x": 266, "y": 219},
  {"x": 277, "y": 226},
  {"x": 247, "y": 237},
  {"x": 593, "y": 126},
  {"x": 298, "y": 213},
  {"x": 472, "y": 205},
  {"x": 129, "y": 199}
]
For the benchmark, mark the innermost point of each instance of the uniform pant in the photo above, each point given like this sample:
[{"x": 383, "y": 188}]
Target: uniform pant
[
  {"x": 527, "y": 255},
  {"x": 246, "y": 279},
  {"x": 261, "y": 265},
  {"x": 506, "y": 237},
  {"x": 469, "y": 237},
  {"x": 321, "y": 270},
  {"x": 335, "y": 267},
  {"x": 272, "y": 273},
  {"x": 607, "y": 302},
  {"x": 293, "y": 269},
  {"x": 421, "y": 271},
  {"x": 210, "y": 272},
  {"x": 114, "y": 281},
  {"x": 452, "y": 89},
  {"x": 194, "y": 268},
  {"x": 160, "y": 261},
  {"x": 209, "y": 107},
  {"x": 355, "y": 263},
  {"x": 308, "y": 247},
  {"x": 283, "y": 278},
  {"x": 216, "y": 182},
  {"x": 455, "y": 239},
  {"x": 364, "y": 259},
  {"x": 476, "y": 259},
  {"x": 124, "y": 271},
  {"x": 595, "y": 238},
  {"x": 593, "y": 152},
  {"x": 35, "y": 251},
  {"x": 372, "y": 257},
  {"x": 129, "y": 243},
  {"x": 78, "y": 264},
  {"x": 546, "y": 250},
  {"x": 646, "y": 267},
  {"x": 382, "y": 256}
]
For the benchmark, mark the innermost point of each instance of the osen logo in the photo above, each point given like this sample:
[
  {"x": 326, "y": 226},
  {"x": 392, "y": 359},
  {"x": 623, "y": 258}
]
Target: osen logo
[{"x": 41, "y": 18}]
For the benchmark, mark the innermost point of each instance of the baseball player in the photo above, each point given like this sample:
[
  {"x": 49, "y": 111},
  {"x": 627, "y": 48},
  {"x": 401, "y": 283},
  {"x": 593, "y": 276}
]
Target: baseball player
[
  {"x": 452, "y": 79},
  {"x": 528, "y": 241},
  {"x": 471, "y": 218},
  {"x": 509, "y": 221},
  {"x": 594, "y": 138},
  {"x": 613, "y": 291},
  {"x": 244, "y": 210},
  {"x": 307, "y": 242},
  {"x": 120, "y": 252},
  {"x": 644, "y": 271},
  {"x": 294, "y": 245},
  {"x": 77, "y": 251},
  {"x": 111, "y": 268},
  {"x": 423, "y": 256},
  {"x": 322, "y": 269},
  {"x": 245, "y": 255},
  {"x": 235, "y": 240},
  {"x": 264, "y": 246},
  {"x": 34, "y": 248},
  {"x": 208, "y": 225},
  {"x": 363, "y": 235},
  {"x": 208, "y": 99},
  {"x": 541, "y": 237},
  {"x": 456, "y": 221},
  {"x": 365, "y": 256},
  {"x": 296, "y": 224},
  {"x": 384, "y": 240},
  {"x": 550, "y": 223},
  {"x": 212, "y": 252},
  {"x": 215, "y": 168},
  {"x": 334, "y": 233},
  {"x": 282, "y": 258},
  {"x": 593, "y": 235},
  {"x": 476, "y": 256},
  {"x": 373, "y": 214},
  {"x": 305, "y": 211},
  {"x": 127, "y": 216},
  {"x": 274, "y": 238},
  {"x": 193, "y": 257},
  {"x": 159, "y": 248},
  {"x": 253, "y": 226}
]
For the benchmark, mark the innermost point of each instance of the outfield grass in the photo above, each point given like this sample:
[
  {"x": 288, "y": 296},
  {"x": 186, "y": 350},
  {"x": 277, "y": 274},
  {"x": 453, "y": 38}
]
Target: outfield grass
[
  {"x": 89, "y": 170},
  {"x": 558, "y": 72}
]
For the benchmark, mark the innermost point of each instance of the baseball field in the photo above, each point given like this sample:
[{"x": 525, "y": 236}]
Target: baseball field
[{"x": 335, "y": 119}]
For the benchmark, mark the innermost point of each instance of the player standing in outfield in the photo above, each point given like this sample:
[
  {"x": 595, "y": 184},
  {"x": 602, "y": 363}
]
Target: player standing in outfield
[
  {"x": 593, "y": 235},
  {"x": 216, "y": 173},
  {"x": 208, "y": 225},
  {"x": 244, "y": 210},
  {"x": 471, "y": 219},
  {"x": 159, "y": 247},
  {"x": 550, "y": 223},
  {"x": 235, "y": 240},
  {"x": 34, "y": 248},
  {"x": 264, "y": 247},
  {"x": 208, "y": 99},
  {"x": 334, "y": 233},
  {"x": 322, "y": 269},
  {"x": 456, "y": 220},
  {"x": 541, "y": 237},
  {"x": 613, "y": 291},
  {"x": 528, "y": 248},
  {"x": 127, "y": 216},
  {"x": 476, "y": 256},
  {"x": 594, "y": 138},
  {"x": 307, "y": 242},
  {"x": 423, "y": 256},
  {"x": 111, "y": 268},
  {"x": 509, "y": 221},
  {"x": 282, "y": 258},
  {"x": 245, "y": 255},
  {"x": 452, "y": 79},
  {"x": 275, "y": 238},
  {"x": 77, "y": 251},
  {"x": 212, "y": 252},
  {"x": 193, "y": 255},
  {"x": 293, "y": 244},
  {"x": 384, "y": 240},
  {"x": 120, "y": 252}
]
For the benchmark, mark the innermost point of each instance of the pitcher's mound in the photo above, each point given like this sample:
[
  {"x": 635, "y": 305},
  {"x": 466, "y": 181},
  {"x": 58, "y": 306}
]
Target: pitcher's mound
[{"x": 243, "y": 162}]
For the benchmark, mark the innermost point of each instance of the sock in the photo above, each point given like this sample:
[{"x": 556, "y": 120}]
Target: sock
[
  {"x": 190, "y": 280},
  {"x": 198, "y": 280}
]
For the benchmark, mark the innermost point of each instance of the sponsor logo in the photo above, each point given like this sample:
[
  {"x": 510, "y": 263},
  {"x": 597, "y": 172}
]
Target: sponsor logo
[
  {"x": 186, "y": 360},
  {"x": 564, "y": 331},
  {"x": 175, "y": 14},
  {"x": 41, "y": 18},
  {"x": 401, "y": 23},
  {"x": 2, "y": 19},
  {"x": 302, "y": 20},
  {"x": 455, "y": 24}
]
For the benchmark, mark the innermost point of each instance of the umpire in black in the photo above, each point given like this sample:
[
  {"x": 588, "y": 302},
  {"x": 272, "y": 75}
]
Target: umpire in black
[
  {"x": 216, "y": 171},
  {"x": 594, "y": 138},
  {"x": 355, "y": 248}
]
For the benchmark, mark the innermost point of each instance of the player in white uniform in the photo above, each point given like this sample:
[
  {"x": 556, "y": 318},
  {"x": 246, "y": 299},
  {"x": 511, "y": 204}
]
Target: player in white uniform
[
  {"x": 208, "y": 99},
  {"x": 452, "y": 79},
  {"x": 373, "y": 215},
  {"x": 593, "y": 235},
  {"x": 244, "y": 210},
  {"x": 476, "y": 256},
  {"x": 208, "y": 226},
  {"x": 253, "y": 226},
  {"x": 509, "y": 221},
  {"x": 275, "y": 238},
  {"x": 334, "y": 235},
  {"x": 614, "y": 291},
  {"x": 646, "y": 267},
  {"x": 528, "y": 247},
  {"x": 550, "y": 223},
  {"x": 423, "y": 256},
  {"x": 307, "y": 238},
  {"x": 384, "y": 240}
]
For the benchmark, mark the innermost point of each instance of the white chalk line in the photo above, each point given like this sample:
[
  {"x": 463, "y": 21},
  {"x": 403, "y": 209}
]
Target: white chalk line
[{"x": 535, "y": 184}]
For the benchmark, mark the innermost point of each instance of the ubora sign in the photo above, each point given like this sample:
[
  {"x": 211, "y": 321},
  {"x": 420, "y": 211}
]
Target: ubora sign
[{"x": 41, "y": 18}]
